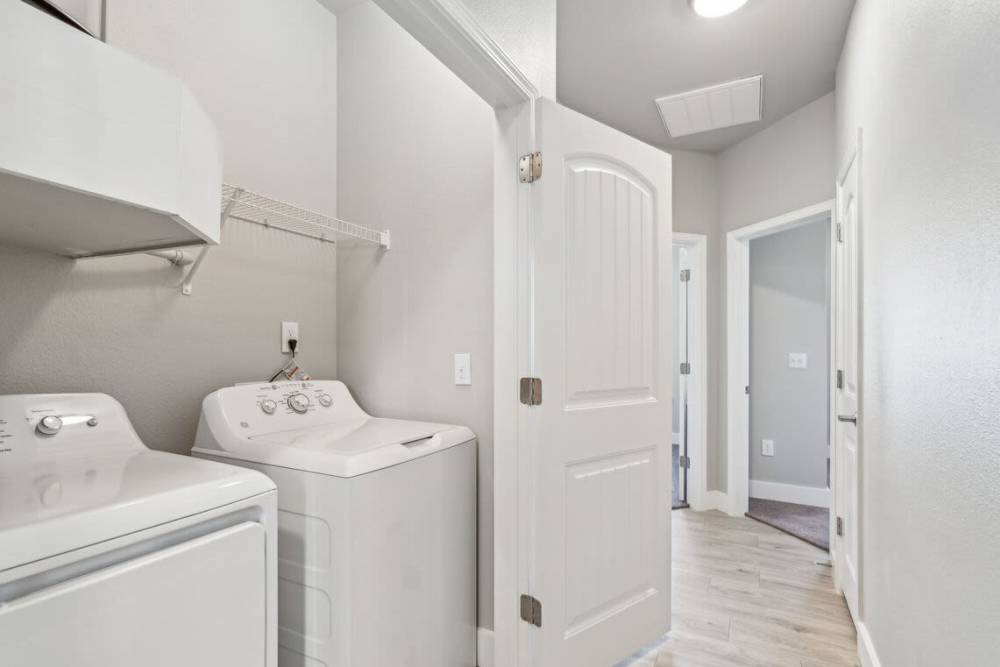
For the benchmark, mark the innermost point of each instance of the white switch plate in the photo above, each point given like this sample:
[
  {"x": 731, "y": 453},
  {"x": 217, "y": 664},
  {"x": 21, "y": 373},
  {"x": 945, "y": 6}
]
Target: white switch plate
[
  {"x": 767, "y": 447},
  {"x": 463, "y": 368},
  {"x": 290, "y": 330},
  {"x": 798, "y": 360}
]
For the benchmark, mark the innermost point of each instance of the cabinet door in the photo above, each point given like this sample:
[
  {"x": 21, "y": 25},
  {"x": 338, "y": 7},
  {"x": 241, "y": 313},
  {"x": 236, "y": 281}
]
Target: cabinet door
[{"x": 199, "y": 602}]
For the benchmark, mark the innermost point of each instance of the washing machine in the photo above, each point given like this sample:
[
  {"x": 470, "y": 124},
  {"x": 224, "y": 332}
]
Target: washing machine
[
  {"x": 376, "y": 524},
  {"x": 113, "y": 555}
]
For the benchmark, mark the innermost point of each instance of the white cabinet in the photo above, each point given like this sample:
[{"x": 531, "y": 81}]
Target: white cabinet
[{"x": 100, "y": 153}]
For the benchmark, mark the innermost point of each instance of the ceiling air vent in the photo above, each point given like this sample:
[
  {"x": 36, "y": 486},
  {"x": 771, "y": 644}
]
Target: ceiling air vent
[{"x": 712, "y": 108}]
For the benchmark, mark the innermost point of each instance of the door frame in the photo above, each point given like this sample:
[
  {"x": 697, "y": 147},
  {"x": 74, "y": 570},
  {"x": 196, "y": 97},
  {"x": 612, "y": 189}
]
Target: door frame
[
  {"x": 738, "y": 339},
  {"x": 697, "y": 247}
]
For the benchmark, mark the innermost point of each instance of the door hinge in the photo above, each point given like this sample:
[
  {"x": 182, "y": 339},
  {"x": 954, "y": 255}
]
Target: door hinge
[
  {"x": 840, "y": 527},
  {"x": 685, "y": 275},
  {"x": 529, "y": 167},
  {"x": 746, "y": 390},
  {"x": 840, "y": 379},
  {"x": 531, "y": 610},
  {"x": 531, "y": 391},
  {"x": 840, "y": 233},
  {"x": 685, "y": 462},
  {"x": 685, "y": 368}
]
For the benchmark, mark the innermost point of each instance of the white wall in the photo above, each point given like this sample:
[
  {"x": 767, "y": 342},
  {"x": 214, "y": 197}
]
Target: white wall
[
  {"x": 416, "y": 156},
  {"x": 920, "y": 78},
  {"x": 785, "y": 167},
  {"x": 790, "y": 312},
  {"x": 120, "y": 325}
]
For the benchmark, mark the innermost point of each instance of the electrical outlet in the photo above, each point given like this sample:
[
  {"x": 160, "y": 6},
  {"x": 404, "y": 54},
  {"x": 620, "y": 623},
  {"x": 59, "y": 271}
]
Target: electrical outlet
[
  {"x": 463, "y": 368},
  {"x": 290, "y": 330},
  {"x": 798, "y": 360},
  {"x": 767, "y": 447}
]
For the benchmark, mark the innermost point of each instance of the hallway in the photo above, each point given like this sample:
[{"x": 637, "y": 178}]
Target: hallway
[{"x": 747, "y": 594}]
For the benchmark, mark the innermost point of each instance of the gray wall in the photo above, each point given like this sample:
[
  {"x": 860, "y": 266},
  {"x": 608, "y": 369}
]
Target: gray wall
[
  {"x": 696, "y": 211},
  {"x": 120, "y": 325},
  {"x": 416, "y": 156},
  {"x": 785, "y": 167},
  {"x": 790, "y": 312},
  {"x": 920, "y": 79}
]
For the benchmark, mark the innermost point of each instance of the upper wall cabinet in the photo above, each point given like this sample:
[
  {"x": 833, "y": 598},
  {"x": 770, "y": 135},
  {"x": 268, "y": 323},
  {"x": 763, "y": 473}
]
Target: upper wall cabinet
[{"x": 99, "y": 153}]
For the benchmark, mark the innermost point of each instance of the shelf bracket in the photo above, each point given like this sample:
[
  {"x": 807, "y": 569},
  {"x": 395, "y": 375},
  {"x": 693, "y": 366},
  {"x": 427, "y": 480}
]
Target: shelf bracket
[{"x": 186, "y": 286}]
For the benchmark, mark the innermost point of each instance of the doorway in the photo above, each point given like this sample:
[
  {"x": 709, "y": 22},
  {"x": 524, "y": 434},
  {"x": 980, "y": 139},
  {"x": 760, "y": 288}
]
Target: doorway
[
  {"x": 690, "y": 371},
  {"x": 787, "y": 365}
]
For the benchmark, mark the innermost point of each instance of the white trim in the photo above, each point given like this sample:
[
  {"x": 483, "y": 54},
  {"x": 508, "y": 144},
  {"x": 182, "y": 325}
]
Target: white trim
[
  {"x": 790, "y": 493},
  {"x": 449, "y": 30},
  {"x": 866, "y": 648},
  {"x": 697, "y": 245},
  {"x": 675, "y": 438},
  {"x": 484, "y": 648},
  {"x": 717, "y": 500},
  {"x": 738, "y": 341}
]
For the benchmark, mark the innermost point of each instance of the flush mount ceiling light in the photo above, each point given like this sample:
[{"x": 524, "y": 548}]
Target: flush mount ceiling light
[{"x": 714, "y": 8}]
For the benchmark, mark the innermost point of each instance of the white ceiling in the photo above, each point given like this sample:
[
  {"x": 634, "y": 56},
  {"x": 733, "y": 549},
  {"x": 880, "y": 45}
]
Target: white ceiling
[
  {"x": 617, "y": 56},
  {"x": 337, "y": 6}
]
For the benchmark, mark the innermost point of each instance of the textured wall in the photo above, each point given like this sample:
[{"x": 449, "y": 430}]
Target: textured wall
[
  {"x": 790, "y": 312},
  {"x": 920, "y": 79},
  {"x": 416, "y": 155},
  {"x": 120, "y": 325}
]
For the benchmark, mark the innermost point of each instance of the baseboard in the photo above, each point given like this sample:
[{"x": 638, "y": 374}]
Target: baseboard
[
  {"x": 485, "y": 647},
  {"x": 866, "y": 650},
  {"x": 717, "y": 500},
  {"x": 790, "y": 493}
]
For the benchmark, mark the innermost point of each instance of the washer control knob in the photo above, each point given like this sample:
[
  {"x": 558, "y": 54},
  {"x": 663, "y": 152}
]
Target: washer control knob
[
  {"x": 325, "y": 400},
  {"x": 49, "y": 425},
  {"x": 299, "y": 403},
  {"x": 268, "y": 406}
]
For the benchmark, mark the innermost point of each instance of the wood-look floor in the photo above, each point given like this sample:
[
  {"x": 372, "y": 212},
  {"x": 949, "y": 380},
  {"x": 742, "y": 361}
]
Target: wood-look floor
[{"x": 747, "y": 594}]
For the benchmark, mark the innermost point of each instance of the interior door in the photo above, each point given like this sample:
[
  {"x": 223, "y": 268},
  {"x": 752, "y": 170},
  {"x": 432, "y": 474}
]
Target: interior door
[
  {"x": 846, "y": 441},
  {"x": 598, "y": 465}
]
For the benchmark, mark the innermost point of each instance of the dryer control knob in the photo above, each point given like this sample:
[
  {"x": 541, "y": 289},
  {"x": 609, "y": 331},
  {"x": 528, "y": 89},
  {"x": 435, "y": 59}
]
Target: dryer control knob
[
  {"x": 268, "y": 406},
  {"x": 325, "y": 400},
  {"x": 49, "y": 425},
  {"x": 298, "y": 402}
]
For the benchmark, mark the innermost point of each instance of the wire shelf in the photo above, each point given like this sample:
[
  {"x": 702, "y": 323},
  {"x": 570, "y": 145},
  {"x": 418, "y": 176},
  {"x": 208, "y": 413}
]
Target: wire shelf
[{"x": 249, "y": 206}]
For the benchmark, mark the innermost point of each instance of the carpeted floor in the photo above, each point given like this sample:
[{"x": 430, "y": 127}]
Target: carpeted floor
[{"x": 808, "y": 523}]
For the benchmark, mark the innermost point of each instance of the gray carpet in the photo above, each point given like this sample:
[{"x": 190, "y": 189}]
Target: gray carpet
[{"x": 805, "y": 522}]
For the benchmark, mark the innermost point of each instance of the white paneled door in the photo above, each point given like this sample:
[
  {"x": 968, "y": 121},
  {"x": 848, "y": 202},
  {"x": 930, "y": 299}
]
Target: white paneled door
[
  {"x": 600, "y": 340},
  {"x": 846, "y": 548}
]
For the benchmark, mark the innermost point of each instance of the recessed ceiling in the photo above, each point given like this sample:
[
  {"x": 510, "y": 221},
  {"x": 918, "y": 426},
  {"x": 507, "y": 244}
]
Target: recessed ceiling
[{"x": 616, "y": 57}]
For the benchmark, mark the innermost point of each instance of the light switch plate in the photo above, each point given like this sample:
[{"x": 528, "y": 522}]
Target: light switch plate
[
  {"x": 798, "y": 360},
  {"x": 290, "y": 330},
  {"x": 767, "y": 447},
  {"x": 463, "y": 368}
]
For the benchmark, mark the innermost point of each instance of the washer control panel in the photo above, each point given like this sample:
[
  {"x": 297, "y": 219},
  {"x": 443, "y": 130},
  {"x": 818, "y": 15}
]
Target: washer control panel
[{"x": 268, "y": 407}]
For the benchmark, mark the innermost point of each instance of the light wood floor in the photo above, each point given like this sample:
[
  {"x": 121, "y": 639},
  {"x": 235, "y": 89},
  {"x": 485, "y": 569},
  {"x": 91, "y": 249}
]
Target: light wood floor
[{"x": 747, "y": 594}]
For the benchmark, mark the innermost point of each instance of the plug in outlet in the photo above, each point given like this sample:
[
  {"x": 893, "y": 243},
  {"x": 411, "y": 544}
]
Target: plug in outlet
[
  {"x": 290, "y": 330},
  {"x": 767, "y": 447},
  {"x": 798, "y": 360},
  {"x": 463, "y": 368}
]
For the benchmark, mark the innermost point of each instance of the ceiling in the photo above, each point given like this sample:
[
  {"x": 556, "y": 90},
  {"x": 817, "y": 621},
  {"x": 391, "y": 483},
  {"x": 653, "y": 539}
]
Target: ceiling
[
  {"x": 616, "y": 56},
  {"x": 337, "y": 6}
]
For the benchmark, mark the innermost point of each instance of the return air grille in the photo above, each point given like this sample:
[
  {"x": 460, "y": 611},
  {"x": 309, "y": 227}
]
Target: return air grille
[{"x": 712, "y": 108}]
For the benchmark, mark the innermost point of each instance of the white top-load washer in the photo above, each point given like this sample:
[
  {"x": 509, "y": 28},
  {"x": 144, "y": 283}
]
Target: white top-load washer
[
  {"x": 113, "y": 555},
  {"x": 376, "y": 524}
]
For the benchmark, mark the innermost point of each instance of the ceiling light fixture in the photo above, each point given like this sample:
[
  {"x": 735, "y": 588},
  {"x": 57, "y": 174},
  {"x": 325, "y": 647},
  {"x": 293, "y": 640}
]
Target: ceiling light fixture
[{"x": 714, "y": 8}]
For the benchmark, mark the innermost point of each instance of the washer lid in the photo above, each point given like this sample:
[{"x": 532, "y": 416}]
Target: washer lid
[
  {"x": 332, "y": 436},
  {"x": 93, "y": 480},
  {"x": 57, "y": 505}
]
